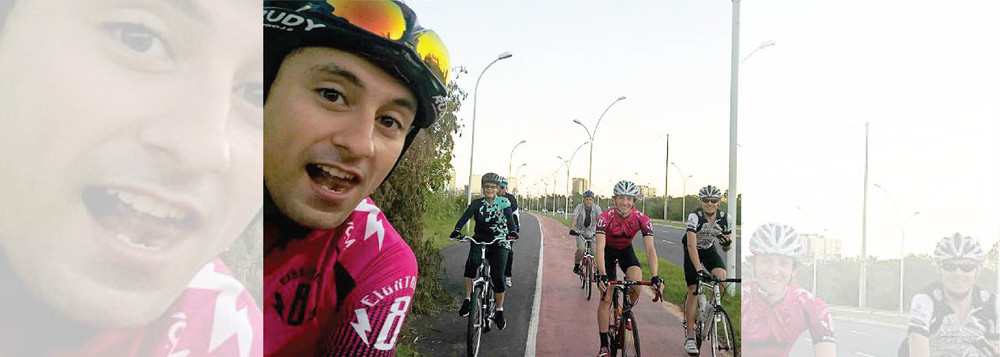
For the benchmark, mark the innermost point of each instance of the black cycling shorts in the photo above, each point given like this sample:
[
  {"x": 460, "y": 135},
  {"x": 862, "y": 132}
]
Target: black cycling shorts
[
  {"x": 625, "y": 257},
  {"x": 710, "y": 258}
]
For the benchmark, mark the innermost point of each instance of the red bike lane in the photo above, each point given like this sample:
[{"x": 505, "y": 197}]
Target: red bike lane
[{"x": 567, "y": 321}]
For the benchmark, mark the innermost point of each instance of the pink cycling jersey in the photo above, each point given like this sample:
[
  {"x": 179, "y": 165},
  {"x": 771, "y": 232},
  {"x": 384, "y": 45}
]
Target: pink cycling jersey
[
  {"x": 619, "y": 231},
  {"x": 213, "y": 316},
  {"x": 771, "y": 330},
  {"x": 339, "y": 292}
]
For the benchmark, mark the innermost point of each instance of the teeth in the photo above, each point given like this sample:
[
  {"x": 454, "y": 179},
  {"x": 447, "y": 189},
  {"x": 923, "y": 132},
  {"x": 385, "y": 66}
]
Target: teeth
[
  {"x": 336, "y": 173},
  {"x": 132, "y": 242},
  {"x": 148, "y": 205}
]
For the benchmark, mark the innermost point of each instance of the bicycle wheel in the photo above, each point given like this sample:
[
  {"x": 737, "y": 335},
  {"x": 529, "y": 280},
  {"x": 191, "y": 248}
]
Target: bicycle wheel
[
  {"x": 475, "y": 331},
  {"x": 589, "y": 270},
  {"x": 615, "y": 321},
  {"x": 630, "y": 335},
  {"x": 723, "y": 336}
]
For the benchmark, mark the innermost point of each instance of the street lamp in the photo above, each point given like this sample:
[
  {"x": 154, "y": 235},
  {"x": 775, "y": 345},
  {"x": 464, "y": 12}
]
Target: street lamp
[
  {"x": 568, "y": 162},
  {"x": 683, "y": 189},
  {"x": 902, "y": 242},
  {"x": 472, "y": 150},
  {"x": 511, "y": 160},
  {"x": 591, "y": 134},
  {"x": 762, "y": 46}
]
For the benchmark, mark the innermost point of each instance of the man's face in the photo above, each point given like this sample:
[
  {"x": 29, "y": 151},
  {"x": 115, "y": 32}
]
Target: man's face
[
  {"x": 334, "y": 125},
  {"x": 588, "y": 201},
  {"x": 959, "y": 275},
  {"x": 710, "y": 205},
  {"x": 502, "y": 190},
  {"x": 624, "y": 203},
  {"x": 773, "y": 272},
  {"x": 130, "y": 146}
]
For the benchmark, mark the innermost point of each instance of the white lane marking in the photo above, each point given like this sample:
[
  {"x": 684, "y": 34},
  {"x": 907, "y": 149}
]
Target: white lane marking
[
  {"x": 669, "y": 242},
  {"x": 529, "y": 349},
  {"x": 860, "y": 333},
  {"x": 862, "y": 354}
]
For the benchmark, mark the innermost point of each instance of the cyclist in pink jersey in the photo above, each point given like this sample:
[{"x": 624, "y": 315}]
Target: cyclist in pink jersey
[
  {"x": 122, "y": 190},
  {"x": 348, "y": 85},
  {"x": 616, "y": 228},
  {"x": 775, "y": 309}
]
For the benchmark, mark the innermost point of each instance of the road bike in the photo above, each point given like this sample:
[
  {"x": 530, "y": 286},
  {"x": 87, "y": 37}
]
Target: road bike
[
  {"x": 623, "y": 331},
  {"x": 588, "y": 267},
  {"x": 483, "y": 304},
  {"x": 712, "y": 323}
]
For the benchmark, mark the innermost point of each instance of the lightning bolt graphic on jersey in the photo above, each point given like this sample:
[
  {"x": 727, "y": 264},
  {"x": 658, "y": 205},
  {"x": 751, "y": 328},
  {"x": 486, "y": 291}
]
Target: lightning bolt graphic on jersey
[
  {"x": 228, "y": 321},
  {"x": 374, "y": 225},
  {"x": 362, "y": 326}
]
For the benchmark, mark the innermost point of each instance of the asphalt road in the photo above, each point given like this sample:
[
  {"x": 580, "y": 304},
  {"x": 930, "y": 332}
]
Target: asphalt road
[
  {"x": 445, "y": 335},
  {"x": 858, "y": 339}
]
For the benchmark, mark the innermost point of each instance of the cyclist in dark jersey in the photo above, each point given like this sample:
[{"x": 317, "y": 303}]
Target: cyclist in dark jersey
[
  {"x": 348, "y": 85},
  {"x": 775, "y": 309},
  {"x": 517, "y": 222},
  {"x": 493, "y": 220},
  {"x": 954, "y": 316},
  {"x": 616, "y": 228},
  {"x": 704, "y": 227}
]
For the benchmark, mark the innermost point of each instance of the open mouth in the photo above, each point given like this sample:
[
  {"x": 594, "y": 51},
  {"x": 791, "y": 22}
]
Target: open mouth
[
  {"x": 139, "y": 220},
  {"x": 332, "y": 179}
]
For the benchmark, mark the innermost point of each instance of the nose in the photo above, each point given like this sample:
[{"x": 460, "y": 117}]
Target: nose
[
  {"x": 190, "y": 134},
  {"x": 354, "y": 134}
]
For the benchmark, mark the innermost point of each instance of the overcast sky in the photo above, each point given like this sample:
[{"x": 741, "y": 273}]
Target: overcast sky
[{"x": 923, "y": 73}]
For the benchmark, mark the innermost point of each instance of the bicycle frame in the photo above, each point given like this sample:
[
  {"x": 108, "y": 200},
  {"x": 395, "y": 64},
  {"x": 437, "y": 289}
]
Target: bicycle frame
[
  {"x": 621, "y": 314},
  {"x": 484, "y": 285},
  {"x": 707, "y": 308}
]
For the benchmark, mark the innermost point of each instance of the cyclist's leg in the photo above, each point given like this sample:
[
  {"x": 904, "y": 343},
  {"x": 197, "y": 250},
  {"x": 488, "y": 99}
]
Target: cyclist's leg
[
  {"x": 603, "y": 315},
  {"x": 690, "y": 302},
  {"x": 581, "y": 245},
  {"x": 496, "y": 255},
  {"x": 610, "y": 257},
  {"x": 510, "y": 262},
  {"x": 713, "y": 262},
  {"x": 630, "y": 265},
  {"x": 471, "y": 266}
]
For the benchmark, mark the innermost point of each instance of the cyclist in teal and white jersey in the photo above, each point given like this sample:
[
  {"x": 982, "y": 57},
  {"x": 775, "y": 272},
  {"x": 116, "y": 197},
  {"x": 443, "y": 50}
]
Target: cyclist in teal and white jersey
[
  {"x": 954, "y": 316},
  {"x": 493, "y": 220},
  {"x": 516, "y": 213},
  {"x": 585, "y": 223}
]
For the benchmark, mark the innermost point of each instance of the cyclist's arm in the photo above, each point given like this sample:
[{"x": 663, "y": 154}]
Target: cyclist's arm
[
  {"x": 469, "y": 211},
  {"x": 920, "y": 345},
  {"x": 647, "y": 241},
  {"x": 599, "y": 253},
  {"x": 646, "y": 227},
  {"x": 692, "y": 242},
  {"x": 825, "y": 349},
  {"x": 511, "y": 223},
  {"x": 692, "y": 250}
]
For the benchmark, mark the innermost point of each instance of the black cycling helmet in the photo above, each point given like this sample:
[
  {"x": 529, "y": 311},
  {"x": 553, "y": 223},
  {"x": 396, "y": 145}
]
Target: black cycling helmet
[
  {"x": 385, "y": 32},
  {"x": 490, "y": 178}
]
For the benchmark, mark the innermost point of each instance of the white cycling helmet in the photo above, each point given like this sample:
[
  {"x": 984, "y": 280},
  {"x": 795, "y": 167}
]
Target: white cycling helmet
[
  {"x": 957, "y": 246},
  {"x": 626, "y": 188},
  {"x": 709, "y": 192},
  {"x": 776, "y": 238}
]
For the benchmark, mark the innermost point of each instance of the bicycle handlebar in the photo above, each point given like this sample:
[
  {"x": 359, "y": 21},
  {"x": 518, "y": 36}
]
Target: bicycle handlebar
[
  {"x": 495, "y": 240},
  {"x": 627, "y": 283}
]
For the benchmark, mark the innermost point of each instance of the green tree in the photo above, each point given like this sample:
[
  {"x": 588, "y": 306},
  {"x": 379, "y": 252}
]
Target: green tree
[{"x": 405, "y": 195}]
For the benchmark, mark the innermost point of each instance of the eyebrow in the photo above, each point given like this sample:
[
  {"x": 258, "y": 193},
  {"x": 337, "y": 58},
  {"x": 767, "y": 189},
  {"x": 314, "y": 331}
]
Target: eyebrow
[
  {"x": 335, "y": 70},
  {"x": 192, "y": 9}
]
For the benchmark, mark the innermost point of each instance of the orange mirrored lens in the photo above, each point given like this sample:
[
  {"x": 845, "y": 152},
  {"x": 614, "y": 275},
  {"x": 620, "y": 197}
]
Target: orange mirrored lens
[
  {"x": 383, "y": 18},
  {"x": 432, "y": 51}
]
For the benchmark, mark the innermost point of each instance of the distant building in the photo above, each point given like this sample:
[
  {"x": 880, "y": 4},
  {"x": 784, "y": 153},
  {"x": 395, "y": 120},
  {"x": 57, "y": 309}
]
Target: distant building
[
  {"x": 646, "y": 191},
  {"x": 452, "y": 184},
  {"x": 511, "y": 184},
  {"x": 579, "y": 185},
  {"x": 823, "y": 247}
]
